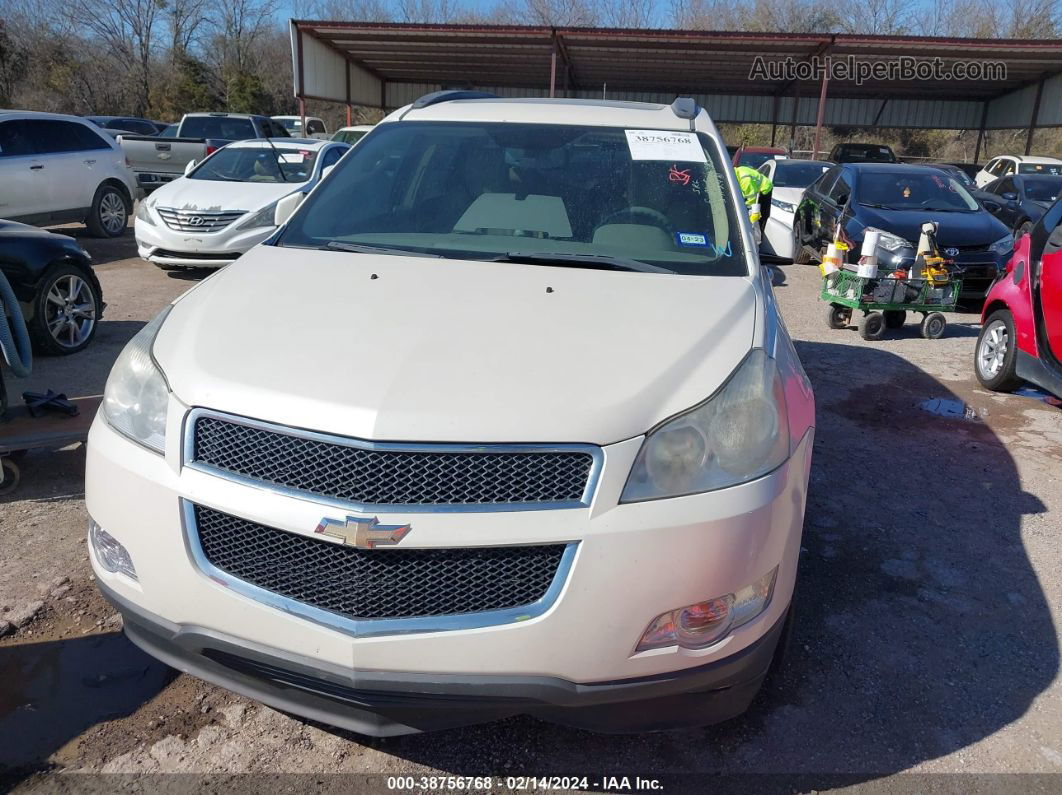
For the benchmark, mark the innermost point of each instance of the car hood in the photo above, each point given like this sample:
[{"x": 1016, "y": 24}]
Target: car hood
[
  {"x": 955, "y": 229},
  {"x": 416, "y": 349},
  {"x": 216, "y": 195}
]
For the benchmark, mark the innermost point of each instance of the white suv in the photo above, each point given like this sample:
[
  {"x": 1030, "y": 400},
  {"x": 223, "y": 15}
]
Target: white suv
[
  {"x": 1005, "y": 165},
  {"x": 524, "y": 434},
  {"x": 56, "y": 169}
]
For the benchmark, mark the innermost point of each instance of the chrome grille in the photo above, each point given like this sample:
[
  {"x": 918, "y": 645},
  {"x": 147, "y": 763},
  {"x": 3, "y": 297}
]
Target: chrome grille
[
  {"x": 376, "y": 584},
  {"x": 197, "y": 220},
  {"x": 360, "y": 473}
]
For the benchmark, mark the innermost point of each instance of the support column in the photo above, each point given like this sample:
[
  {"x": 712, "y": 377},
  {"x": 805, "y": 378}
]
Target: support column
[
  {"x": 1035, "y": 116},
  {"x": 981, "y": 131},
  {"x": 774, "y": 118},
  {"x": 793, "y": 119},
  {"x": 822, "y": 111},
  {"x": 553, "y": 71}
]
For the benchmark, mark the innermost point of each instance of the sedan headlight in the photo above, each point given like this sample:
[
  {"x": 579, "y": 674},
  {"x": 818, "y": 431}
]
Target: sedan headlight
[
  {"x": 893, "y": 243},
  {"x": 264, "y": 217},
  {"x": 136, "y": 395},
  {"x": 143, "y": 214},
  {"x": 784, "y": 206},
  {"x": 1004, "y": 246},
  {"x": 738, "y": 435}
]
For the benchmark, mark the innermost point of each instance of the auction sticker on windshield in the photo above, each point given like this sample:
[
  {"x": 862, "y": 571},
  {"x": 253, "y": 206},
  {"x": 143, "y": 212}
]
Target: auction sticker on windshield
[{"x": 665, "y": 145}]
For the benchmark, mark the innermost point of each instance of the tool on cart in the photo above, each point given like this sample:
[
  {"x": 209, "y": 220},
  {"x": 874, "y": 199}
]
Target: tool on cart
[
  {"x": 48, "y": 420},
  {"x": 885, "y": 298}
]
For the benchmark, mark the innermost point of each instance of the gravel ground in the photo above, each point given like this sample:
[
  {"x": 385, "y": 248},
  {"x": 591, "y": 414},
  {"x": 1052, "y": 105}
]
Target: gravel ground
[{"x": 928, "y": 604}]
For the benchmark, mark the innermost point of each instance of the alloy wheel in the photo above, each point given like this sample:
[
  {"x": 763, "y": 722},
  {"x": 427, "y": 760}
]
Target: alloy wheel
[{"x": 71, "y": 311}]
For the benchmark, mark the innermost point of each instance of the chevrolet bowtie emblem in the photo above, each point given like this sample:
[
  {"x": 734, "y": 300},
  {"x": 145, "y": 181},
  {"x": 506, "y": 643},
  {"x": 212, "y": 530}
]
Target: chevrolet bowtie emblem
[{"x": 363, "y": 533}]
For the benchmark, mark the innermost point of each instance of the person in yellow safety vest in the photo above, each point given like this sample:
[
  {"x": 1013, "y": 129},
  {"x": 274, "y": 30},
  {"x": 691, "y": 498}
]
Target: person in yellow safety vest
[{"x": 756, "y": 189}]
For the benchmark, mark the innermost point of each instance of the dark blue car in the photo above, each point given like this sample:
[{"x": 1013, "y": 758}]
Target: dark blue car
[
  {"x": 1020, "y": 200},
  {"x": 897, "y": 199}
]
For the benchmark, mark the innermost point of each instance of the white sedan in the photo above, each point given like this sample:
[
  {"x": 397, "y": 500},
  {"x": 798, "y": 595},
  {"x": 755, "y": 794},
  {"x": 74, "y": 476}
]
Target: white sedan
[
  {"x": 790, "y": 178},
  {"x": 224, "y": 206}
]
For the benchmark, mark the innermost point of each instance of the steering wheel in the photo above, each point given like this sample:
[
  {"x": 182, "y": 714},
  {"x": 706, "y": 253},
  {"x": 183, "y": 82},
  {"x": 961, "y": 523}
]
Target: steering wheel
[{"x": 655, "y": 217}]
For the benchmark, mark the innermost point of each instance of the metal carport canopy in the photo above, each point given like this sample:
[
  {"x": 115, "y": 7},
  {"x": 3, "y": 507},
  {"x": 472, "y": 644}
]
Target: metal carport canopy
[{"x": 389, "y": 64}]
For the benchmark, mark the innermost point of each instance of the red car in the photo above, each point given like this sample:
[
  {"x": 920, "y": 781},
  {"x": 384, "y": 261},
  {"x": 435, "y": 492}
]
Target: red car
[{"x": 1021, "y": 331}]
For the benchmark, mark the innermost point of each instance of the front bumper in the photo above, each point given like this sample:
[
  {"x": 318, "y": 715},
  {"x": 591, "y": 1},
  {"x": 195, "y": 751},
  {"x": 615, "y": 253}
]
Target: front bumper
[
  {"x": 632, "y": 563},
  {"x": 381, "y": 703},
  {"x": 164, "y": 246}
]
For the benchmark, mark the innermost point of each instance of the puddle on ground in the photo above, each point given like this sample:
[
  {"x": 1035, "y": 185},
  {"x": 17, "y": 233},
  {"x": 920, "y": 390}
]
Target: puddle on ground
[{"x": 953, "y": 409}]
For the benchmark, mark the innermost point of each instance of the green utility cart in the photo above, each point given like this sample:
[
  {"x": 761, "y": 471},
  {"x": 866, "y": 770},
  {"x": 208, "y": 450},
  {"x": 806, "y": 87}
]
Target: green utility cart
[{"x": 886, "y": 301}]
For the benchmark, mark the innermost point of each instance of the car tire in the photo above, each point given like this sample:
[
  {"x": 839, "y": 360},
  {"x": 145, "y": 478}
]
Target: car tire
[
  {"x": 996, "y": 354},
  {"x": 872, "y": 326},
  {"x": 12, "y": 476},
  {"x": 895, "y": 318},
  {"x": 109, "y": 213},
  {"x": 838, "y": 316},
  {"x": 933, "y": 325},
  {"x": 800, "y": 254},
  {"x": 66, "y": 310}
]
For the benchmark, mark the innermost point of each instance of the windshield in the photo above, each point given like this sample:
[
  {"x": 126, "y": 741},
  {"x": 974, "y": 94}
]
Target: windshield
[
  {"x": 914, "y": 191},
  {"x": 291, "y": 125},
  {"x": 797, "y": 174},
  {"x": 1051, "y": 169},
  {"x": 169, "y": 132},
  {"x": 223, "y": 127},
  {"x": 482, "y": 190},
  {"x": 258, "y": 164},
  {"x": 1043, "y": 189},
  {"x": 866, "y": 152}
]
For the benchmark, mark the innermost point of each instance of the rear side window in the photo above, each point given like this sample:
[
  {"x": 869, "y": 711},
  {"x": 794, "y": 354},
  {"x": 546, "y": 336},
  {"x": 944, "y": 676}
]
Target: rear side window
[
  {"x": 14, "y": 139},
  {"x": 87, "y": 138},
  {"x": 1050, "y": 169},
  {"x": 223, "y": 127},
  {"x": 315, "y": 126},
  {"x": 51, "y": 136}
]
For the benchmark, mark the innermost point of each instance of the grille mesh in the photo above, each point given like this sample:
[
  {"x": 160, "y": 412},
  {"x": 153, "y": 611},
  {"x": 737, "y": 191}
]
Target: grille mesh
[
  {"x": 392, "y": 583},
  {"x": 388, "y": 477},
  {"x": 196, "y": 221}
]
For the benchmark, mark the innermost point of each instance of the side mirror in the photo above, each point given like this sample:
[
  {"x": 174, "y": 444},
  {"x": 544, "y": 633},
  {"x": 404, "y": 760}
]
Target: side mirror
[
  {"x": 327, "y": 170},
  {"x": 188, "y": 167},
  {"x": 1010, "y": 196},
  {"x": 286, "y": 207}
]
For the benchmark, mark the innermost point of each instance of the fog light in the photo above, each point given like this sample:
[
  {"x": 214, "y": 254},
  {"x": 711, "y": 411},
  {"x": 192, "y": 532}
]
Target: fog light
[
  {"x": 699, "y": 625},
  {"x": 109, "y": 552}
]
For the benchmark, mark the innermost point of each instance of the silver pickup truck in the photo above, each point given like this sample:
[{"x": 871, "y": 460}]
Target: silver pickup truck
[{"x": 158, "y": 160}]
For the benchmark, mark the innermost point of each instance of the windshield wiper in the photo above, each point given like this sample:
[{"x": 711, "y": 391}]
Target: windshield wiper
[
  {"x": 565, "y": 259},
  {"x": 364, "y": 248},
  {"x": 879, "y": 206}
]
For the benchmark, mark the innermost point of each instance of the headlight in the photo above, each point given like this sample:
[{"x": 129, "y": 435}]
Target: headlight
[
  {"x": 264, "y": 217},
  {"x": 1004, "y": 246},
  {"x": 893, "y": 243},
  {"x": 784, "y": 206},
  {"x": 739, "y": 434},
  {"x": 143, "y": 214},
  {"x": 136, "y": 395}
]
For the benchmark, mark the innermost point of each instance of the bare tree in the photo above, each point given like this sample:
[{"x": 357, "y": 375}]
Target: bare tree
[
  {"x": 126, "y": 28},
  {"x": 885, "y": 17},
  {"x": 184, "y": 17}
]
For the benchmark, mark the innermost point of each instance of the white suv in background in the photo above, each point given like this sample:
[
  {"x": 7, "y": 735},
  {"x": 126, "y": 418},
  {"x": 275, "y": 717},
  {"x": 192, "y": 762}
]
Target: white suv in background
[
  {"x": 520, "y": 432},
  {"x": 56, "y": 169},
  {"x": 1005, "y": 165}
]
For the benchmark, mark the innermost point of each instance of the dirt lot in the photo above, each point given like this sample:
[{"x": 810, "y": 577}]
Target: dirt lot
[{"x": 928, "y": 603}]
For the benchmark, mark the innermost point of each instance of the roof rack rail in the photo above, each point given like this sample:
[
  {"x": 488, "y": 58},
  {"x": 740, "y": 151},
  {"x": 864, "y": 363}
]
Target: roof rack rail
[
  {"x": 445, "y": 96},
  {"x": 685, "y": 107}
]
